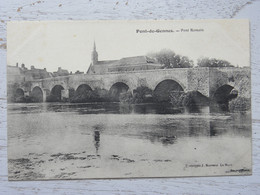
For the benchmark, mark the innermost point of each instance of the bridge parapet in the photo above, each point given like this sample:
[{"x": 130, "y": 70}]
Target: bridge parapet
[
  {"x": 134, "y": 79},
  {"x": 204, "y": 80}
]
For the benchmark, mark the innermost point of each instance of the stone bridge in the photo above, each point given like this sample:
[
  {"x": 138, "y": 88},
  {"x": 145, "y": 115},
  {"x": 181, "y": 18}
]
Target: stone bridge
[{"x": 206, "y": 81}]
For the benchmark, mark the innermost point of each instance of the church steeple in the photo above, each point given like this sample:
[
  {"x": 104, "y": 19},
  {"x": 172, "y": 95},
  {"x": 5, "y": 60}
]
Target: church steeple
[
  {"x": 94, "y": 48},
  {"x": 94, "y": 56}
]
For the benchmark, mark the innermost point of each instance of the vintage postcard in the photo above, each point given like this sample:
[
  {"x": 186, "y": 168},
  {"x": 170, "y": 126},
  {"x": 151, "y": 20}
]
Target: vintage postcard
[{"x": 128, "y": 99}]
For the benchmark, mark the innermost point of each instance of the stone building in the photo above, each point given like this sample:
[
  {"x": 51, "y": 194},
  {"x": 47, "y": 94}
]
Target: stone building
[
  {"x": 16, "y": 74},
  {"x": 37, "y": 73},
  {"x": 136, "y": 63},
  {"x": 60, "y": 72}
]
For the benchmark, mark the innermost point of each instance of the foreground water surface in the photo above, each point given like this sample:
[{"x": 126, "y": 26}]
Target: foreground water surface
[{"x": 112, "y": 140}]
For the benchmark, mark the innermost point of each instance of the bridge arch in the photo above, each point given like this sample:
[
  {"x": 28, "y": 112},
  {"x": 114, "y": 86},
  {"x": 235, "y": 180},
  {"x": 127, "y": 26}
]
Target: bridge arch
[
  {"x": 83, "y": 87},
  {"x": 37, "y": 94},
  {"x": 83, "y": 93},
  {"x": 131, "y": 82},
  {"x": 56, "y": 94},
  {"x": 181, "y": 81},
  {"x": 223, "y": 94},
  {"x": 19, "y": 95},
  {"x": 50, "y": 84},
  {"x": 167, "y": 88},
  {"x": 116, "y": 89}
]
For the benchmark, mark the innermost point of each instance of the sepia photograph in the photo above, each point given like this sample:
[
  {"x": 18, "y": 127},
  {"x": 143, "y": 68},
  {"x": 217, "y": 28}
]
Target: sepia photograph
[{"x": 128, "y": 99}]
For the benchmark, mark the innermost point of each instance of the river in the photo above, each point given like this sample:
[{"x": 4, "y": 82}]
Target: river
[{"x": 113, "y": 140}]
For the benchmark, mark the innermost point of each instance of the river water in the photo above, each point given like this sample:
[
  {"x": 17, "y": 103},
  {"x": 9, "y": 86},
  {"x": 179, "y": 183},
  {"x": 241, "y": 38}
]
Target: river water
[{"x": 113, "y": 140}]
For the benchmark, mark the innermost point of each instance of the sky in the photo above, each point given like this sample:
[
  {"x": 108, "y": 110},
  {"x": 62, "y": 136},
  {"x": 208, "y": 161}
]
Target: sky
[{"x": 68, "y": 44}]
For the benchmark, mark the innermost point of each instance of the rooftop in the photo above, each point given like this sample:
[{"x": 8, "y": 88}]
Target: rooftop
[{"x": 128, "y": 61}]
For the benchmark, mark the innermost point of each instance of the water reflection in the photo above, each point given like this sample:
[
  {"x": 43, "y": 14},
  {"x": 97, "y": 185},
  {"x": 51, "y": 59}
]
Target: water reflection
[
  {"x": 161, "y": 122},
  {"x": 213, "y": 130},
  {"x": 95, "y": 137},
  {"x": 165, "y": 137},
  {"x": 98, "y": 108}
]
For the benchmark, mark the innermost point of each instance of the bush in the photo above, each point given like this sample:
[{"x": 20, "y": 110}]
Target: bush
[
  {"x": 240, "y": 104},
  {"x": 177, "y": 98},
  {"x": 142, "y": 95},
  {"x": 86, "y": 96},
  {"x": 96, "y": 95},
  {"x": 52, "y": 98},
  {"x": 126, "y": 97},
  {"x": 102, "y": 95},
  {"x": 19, "y": 99}
]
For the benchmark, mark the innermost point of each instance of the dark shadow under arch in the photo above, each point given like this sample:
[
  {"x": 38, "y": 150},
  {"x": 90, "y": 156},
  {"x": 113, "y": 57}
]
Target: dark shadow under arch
[
  {"x": 82, "y": 94},
  {"x": 55, "y": 95},
  {"x": 19, "y": 95},
  {"x": 37, "y": 94},
  {"x": 223, "y": 94},
  {"x": 117, "y": 89},
  {"x": 166, "y": 89},
  {"x": 82, "y": 88}
]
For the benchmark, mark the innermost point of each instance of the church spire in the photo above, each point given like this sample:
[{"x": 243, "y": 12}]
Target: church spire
[
  {"x": 94, "y": 56},
  {"x": 94, "y": 48}
]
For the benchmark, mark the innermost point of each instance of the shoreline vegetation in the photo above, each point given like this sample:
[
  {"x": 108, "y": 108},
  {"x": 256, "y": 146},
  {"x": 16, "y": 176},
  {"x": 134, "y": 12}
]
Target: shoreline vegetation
[{"x": 143, "y": 95}]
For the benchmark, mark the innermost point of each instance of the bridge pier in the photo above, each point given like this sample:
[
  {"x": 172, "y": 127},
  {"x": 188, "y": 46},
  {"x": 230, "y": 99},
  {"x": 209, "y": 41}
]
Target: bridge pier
[
  {"x": 44, "y": 95},
  {"x": 64, "y": 94},
  {"x": 26, "y": 94}
]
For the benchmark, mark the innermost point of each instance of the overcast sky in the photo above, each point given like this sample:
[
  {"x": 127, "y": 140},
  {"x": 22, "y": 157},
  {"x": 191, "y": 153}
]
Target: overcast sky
[{"x": 68, "y": 44}]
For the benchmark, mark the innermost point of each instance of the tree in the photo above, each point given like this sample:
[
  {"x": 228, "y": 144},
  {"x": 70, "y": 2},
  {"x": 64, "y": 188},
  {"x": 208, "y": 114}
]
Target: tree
[
  {"x": 212, "y": 62},
  {"x": 142, "y": 94},
  {"x": 169, "y": 59}
]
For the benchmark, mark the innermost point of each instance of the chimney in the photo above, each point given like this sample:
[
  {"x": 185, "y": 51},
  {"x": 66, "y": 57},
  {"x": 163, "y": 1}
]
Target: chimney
[
  {"x": 32, "y": 67},
  {"x": 16, "y": 64}
]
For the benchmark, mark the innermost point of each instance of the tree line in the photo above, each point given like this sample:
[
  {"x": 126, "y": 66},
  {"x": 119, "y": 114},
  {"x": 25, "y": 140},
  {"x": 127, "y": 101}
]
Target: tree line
[{"x": 169, "y": 59}]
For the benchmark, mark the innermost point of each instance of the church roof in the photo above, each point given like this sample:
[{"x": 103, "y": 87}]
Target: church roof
[
  {"x": 106, "y": 62},
  {"x": 128, "y": 61},
  {"x": 136, "y": 60}
]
